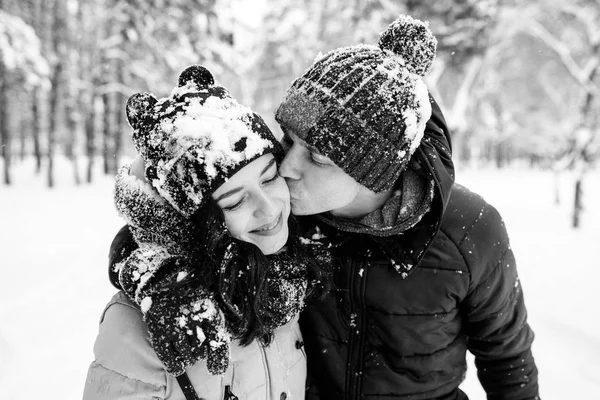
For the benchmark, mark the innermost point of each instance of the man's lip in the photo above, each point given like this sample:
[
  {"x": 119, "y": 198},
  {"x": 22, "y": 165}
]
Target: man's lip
[{"x": 272, "y": 231}]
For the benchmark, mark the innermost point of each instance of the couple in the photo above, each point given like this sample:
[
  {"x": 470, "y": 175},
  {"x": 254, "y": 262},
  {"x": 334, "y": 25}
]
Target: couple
[{"x": 396, "y": 270}]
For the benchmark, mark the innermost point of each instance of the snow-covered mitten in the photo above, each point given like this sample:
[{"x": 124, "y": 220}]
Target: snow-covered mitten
[{"x": 186, "y": 327}]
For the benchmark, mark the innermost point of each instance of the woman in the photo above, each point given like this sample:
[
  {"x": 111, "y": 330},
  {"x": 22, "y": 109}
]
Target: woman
[{"x": 211, "y": 294}]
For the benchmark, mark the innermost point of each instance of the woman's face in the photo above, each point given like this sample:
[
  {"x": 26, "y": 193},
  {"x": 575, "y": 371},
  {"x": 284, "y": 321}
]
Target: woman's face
[{"x": 256, "y": 205}]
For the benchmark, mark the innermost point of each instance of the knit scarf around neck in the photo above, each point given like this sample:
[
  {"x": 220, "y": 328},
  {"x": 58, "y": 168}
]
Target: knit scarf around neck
[{"x": 401, "y": 212}]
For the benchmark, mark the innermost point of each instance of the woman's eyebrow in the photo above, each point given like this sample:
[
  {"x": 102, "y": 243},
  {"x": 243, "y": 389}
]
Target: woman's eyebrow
[
  {"x": 269, "y": 165},
  {"x": 228, "y": 193},
  {"x": 237, "y": 189}
]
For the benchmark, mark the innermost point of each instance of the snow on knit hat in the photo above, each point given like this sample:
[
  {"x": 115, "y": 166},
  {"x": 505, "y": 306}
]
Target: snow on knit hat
[
  {"x": 365, "y": 107},
  {"x": 195, "y": 139}
]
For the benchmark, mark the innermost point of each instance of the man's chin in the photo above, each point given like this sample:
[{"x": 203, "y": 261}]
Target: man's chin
[
  {"x": 298, "y": 211},
  {"x": 304, "y": 209},
  {"x": 299, "y": 208}
]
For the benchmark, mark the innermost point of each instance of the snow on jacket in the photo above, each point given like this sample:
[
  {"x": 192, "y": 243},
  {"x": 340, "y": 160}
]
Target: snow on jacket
[
  {"x": 127, "y": 367},
  {"x": 382, "y": 334}
]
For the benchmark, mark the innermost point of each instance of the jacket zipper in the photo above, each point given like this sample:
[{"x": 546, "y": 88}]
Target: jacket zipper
[{"x": 356, "y": 340}]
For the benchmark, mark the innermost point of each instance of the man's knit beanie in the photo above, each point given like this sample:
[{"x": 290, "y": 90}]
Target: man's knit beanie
[
  {"x": 365, "y": 107},
  {"x": 195, "y": 139}
]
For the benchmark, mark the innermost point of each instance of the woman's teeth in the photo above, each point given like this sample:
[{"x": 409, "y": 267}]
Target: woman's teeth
[{"x": 270, "y": 226}]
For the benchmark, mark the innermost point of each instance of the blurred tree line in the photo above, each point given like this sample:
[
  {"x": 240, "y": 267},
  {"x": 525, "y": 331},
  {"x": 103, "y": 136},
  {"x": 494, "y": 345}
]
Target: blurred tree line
[
  {"x": 517, "y": 79},
  {"x": 67, "y": 68}
]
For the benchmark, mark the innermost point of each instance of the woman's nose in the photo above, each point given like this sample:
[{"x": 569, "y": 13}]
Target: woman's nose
[{"x": 265, "y": 205}]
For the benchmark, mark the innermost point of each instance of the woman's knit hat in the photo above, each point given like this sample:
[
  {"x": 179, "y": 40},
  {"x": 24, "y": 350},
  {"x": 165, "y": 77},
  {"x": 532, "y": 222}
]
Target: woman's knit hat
[
  {"x": 195, "y": 139},
  {"x": 365, "y": 107}
]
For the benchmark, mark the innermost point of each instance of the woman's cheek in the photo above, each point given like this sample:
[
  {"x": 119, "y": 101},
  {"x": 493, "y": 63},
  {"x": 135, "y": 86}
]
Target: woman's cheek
[{"x": 235, "y": 223}]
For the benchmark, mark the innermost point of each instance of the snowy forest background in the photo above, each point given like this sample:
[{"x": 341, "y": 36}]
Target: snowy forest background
[{"x": 517, "y": 80}]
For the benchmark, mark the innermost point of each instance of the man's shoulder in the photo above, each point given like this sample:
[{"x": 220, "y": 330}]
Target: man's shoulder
[
  {"x": 465, "y": 201},
  {"x": 475, "y": 227},
  {"x": 467, "y": 210}
]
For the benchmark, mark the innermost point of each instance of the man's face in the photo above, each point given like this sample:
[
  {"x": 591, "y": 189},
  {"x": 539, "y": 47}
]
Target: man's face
[{"x": 316, "y": 184}]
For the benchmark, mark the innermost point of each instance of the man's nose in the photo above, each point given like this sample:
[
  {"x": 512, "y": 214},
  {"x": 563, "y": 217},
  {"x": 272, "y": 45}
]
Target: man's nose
[{"x": 289, "y": 165}]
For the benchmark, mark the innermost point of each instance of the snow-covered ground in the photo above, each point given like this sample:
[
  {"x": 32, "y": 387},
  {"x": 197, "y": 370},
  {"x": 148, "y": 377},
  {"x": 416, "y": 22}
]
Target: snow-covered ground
[{"x": 53, "y": 257}]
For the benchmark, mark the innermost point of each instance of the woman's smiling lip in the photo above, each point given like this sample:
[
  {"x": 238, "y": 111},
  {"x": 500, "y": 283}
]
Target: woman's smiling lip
[{"x": 270, "y": 228}]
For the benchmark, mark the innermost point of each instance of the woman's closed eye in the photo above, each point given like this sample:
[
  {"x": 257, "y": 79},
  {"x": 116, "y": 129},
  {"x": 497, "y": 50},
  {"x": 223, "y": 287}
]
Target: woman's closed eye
[
  {"x": 273, "y": 178},
  {"x": 235, "y": 205}
]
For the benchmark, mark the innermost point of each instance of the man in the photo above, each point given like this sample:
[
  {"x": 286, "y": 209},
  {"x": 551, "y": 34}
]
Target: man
[{"x": 422, "y": 267}]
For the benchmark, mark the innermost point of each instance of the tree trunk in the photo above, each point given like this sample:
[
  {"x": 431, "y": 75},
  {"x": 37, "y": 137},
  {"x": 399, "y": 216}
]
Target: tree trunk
[
  {"x": 118, "y": 111},
  {"x": 73, "y": 98},
  {"x": 53, "y": 122},
  {"x": 458, "y": 112},
  {"x": 90, "y": 132},
  {"x": 89, "y": 145},
  {"x": 577, "y": 206},
  {"x": 58, "y": 47},
  {"x": 498, "y": 154},
  {"x": 73, "y": 130},
  {"x": 42, "y": 15},
  {"x": 36, "y": 130},
  {"x": 4, "y": 126},
  {"x": 24, "y": 128},
  {"x": 110, "y": 75},
  {"x": 88, "y": 64},
  {"x": 556, "y": 187},
  {"x": 106, "y": 133},
  {"x": 588, "y": 118}
]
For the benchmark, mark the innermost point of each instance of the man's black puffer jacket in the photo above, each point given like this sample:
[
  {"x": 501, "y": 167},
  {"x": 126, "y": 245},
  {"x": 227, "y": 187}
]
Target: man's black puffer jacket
[{"x": 383, "y": 335}]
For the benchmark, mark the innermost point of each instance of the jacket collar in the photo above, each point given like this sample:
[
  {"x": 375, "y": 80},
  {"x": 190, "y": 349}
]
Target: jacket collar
[{"x": 434, "y": 157}]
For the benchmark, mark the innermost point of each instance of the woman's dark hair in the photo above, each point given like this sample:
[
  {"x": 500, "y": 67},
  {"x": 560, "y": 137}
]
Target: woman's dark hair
[{"x": 238, "y": 273}]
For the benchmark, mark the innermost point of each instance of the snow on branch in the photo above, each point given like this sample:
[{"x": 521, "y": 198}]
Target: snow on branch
[
  {"x": 20, "y": 50},
  {"x": 592, "y": 66},
  {"x": 537, "y": 30},
  {"x": 583, "y": 15}
]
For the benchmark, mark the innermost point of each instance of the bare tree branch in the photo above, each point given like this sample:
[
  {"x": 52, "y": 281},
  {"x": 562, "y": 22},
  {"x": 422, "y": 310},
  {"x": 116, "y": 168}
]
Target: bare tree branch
[
  {"x": 582, "y": 15},
  {"x": 537, "y": 30},
  {"x": 458, "y": 112}
]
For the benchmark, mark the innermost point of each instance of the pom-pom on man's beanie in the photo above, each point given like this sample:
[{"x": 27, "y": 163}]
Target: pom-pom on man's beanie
[
  {"x": 365, "y": 107},
  {"x": 195, "y": 139}
]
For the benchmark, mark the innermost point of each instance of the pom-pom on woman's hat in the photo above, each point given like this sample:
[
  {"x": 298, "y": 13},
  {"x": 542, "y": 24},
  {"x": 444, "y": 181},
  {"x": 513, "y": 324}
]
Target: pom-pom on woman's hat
[
  {"x": 365, "y": 107},
  {"x": 195, "y": 139}
]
